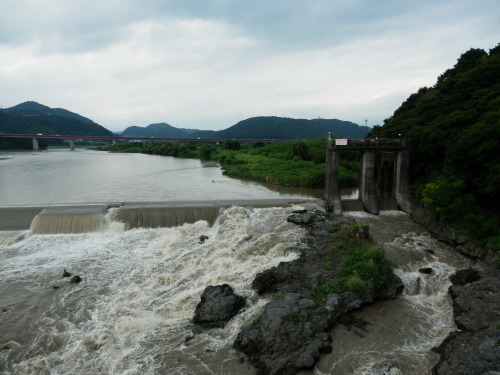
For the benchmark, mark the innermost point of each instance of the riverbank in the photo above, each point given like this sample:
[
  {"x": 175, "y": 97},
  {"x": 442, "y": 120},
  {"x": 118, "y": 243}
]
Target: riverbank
[
  {"x": 292, "y": 332},
  {"x": 475, "y": 347},
  {"x": 339, "y": 270}
]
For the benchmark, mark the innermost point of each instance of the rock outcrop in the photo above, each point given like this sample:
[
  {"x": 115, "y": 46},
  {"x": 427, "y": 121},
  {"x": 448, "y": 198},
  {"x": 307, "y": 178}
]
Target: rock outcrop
[
  {"x": 217, "y": 306},
  {"x": 292, "y": 331},
  {"x": 451, "y": 235},
  {"x": 475, "y": 349},
  {"x": 289, "y": 335}
]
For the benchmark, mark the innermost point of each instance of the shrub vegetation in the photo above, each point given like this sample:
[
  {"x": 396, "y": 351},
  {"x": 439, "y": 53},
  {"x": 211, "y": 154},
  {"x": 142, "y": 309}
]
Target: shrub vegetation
[
  {"x": 454, "y": 132},
  {"x": 356, "y": 263},
  {"x": 296, "y": 163}
]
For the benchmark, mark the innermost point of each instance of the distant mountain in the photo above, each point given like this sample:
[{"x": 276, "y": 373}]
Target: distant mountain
[
  {"x": 35, "y": 109},
  {"x": 287, "y": 128},
  {"x": 34, "y": 118},
  {"x": 160, "y": 130}
]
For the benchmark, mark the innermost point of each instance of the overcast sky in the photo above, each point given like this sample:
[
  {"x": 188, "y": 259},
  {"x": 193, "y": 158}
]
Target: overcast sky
[{"x": 208, "y": 64}]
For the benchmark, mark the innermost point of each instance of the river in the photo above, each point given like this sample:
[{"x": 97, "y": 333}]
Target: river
[
  {"x": 85, "y": 176},
  {"x": 131, "y": 313}
]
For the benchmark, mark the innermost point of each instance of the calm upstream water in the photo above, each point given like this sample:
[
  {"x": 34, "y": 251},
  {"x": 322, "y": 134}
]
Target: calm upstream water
[
  {"x": 84, "y": 176},
  {"x": 131, "y": 313}
]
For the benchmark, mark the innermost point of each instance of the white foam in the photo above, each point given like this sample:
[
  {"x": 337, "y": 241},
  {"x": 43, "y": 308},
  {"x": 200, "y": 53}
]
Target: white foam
[{"x": 140, "y": 288}]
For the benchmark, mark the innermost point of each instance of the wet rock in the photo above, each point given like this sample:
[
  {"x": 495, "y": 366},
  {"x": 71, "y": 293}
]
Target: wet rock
[
  {"x": 468, "y": 353},
  {"x": 452, "y": 235},
  {"x": 203, "y": 238},
  {"x": 217, "y": 306},
  {"x": 303, "y": 218},
  {"x": 465, "y": 276},
  {"x": 288, "y": 336},
  {"x": 426, "y": 270},
  {"x": 476, "y": 348},
  {"x": 66, "y": 273},
  {"x": 475, "y": 304},
  {"x": 55, "y": 287},
  {"x": 384, "y": 369},
  {"x": 292, "y": 330},
  {"x": 75, "y": 279},
  {"x": 391, "y": 290}
]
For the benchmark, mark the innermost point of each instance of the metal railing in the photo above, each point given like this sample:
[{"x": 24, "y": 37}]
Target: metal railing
[{"x": 367, "y": 144}]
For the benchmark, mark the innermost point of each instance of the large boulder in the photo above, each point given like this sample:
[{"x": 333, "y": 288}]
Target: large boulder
[
  {"x": 475, "y": 304},
  {"x": 288, "y": 336},
  {"x": 217, "y": 306},
  {"x": 474, "y": 349},
  {"x": 469, "y": 353},
  {"x": 465, "y": 276}
]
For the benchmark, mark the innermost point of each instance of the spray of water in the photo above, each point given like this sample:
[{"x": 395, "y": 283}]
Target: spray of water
[{"x": 132, "y": 312}]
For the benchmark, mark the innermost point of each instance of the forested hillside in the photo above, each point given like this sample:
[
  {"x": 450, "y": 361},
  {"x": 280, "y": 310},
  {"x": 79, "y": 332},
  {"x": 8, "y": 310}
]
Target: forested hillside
[
  {"x": 31, "y": 108},
  {"x": 454, "y": 132},
  {"x": 34, "y": 118},
  {"x": 157, "y": 130},
  {"x": 287, "y": 128}
]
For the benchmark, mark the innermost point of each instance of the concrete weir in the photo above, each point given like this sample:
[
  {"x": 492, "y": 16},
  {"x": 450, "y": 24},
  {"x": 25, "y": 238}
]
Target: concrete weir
[
  {"x": 157, "y": 216},
  {"x": 171, "y": 214},
  {"x": 69, "y": 219},
  {"x": 91, "y": 217}
]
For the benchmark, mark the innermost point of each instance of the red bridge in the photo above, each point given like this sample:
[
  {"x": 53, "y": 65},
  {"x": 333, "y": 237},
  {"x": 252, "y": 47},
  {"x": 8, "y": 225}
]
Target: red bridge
[{"x": 72, "y": 139}]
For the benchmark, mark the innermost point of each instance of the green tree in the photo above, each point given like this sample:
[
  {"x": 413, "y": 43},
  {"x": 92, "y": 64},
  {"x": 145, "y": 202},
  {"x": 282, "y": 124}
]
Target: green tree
[{"x": 232, "y": 144}]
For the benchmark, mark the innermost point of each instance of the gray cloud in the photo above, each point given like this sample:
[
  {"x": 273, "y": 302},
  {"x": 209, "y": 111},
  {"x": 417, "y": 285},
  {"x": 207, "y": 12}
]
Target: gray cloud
[{"x": 208, "y": 64}]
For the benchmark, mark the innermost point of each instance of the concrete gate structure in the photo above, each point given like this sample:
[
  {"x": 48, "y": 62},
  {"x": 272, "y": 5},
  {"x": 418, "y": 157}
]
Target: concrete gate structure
[{"x": 390, "y": 178}]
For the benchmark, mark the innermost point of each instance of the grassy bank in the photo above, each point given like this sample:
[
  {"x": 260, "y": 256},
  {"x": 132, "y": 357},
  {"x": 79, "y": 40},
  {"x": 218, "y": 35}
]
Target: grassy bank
[
  {"x": 356, "y": 261},
  {"x": 294, "y": 164}
]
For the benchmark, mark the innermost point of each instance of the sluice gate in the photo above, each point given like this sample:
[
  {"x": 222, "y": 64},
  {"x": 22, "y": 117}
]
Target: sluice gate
[{"x": 383, "y": 186}]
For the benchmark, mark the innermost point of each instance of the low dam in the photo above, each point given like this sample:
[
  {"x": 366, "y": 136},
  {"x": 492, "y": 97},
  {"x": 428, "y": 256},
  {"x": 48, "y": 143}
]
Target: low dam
[{"x": 92, "y": 217}]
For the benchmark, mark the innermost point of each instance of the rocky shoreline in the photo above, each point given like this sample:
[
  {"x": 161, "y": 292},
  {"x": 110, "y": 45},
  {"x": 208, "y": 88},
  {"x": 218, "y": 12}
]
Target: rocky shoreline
[
  {"x": 293, "y": 330},
  {"x": 475, "y": 347}
]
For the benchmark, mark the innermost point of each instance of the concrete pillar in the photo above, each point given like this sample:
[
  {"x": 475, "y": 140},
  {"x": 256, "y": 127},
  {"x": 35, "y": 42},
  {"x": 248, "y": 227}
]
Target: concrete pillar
[
  {"x": 332, "y": 187},
  {"x": 35, "y": 145},
  {"x": 114, "y": 141},
  {"x": 402, "y": 183},
  {"x": 72, "y": 144},
  {"x": 367, "y": 188}
]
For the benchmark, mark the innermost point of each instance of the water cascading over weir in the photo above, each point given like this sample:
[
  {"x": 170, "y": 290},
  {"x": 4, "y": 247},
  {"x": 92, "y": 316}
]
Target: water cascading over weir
[
  {"x": 382, "y": 187},
  {"x": 69, "y": 219},
  {"x": 93, "y": 217}
]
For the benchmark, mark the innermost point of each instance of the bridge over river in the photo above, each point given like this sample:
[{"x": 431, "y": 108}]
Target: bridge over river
[{"x": 114, "y": 139}]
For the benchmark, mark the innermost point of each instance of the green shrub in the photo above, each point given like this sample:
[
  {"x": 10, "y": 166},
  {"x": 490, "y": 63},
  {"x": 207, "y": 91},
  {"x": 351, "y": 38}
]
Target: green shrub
[{"x": 355, "y": 283}]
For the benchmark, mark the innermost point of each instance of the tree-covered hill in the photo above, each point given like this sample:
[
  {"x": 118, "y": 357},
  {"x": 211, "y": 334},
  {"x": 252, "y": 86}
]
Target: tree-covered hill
[
  {"x": 268, "y": 127},
  {"x": 454, "y": 132},
  {"x": 157, "y": 130},
  {"x": 31, "y": 108},
  {"x": 34, "y": 118}
]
